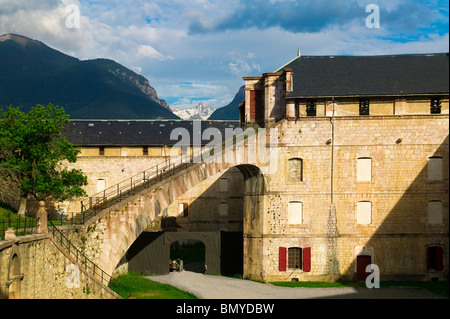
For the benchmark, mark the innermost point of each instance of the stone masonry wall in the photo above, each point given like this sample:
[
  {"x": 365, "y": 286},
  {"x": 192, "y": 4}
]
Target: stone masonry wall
[{"x": 32, "y": 267}]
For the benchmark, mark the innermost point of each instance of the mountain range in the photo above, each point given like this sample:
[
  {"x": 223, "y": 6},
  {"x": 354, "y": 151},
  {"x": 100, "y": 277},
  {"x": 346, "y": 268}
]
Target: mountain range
[
  {"x": 33, "y": 73},
  {"x": 200, "y": 112}
]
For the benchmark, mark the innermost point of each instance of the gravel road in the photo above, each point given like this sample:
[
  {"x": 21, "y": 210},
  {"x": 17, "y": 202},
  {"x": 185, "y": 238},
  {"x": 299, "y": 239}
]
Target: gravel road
[{"x": 218, "y": 287}]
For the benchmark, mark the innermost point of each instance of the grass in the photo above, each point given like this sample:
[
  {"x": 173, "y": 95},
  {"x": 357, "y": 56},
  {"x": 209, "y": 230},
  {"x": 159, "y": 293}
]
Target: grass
[
  {"x": 438, "y": 287},
  {"x": 9, "y": 218},
  {"x": 143, "y": 288}
]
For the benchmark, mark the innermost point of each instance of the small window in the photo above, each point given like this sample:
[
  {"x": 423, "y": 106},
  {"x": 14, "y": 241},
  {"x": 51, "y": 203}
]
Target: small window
[
  {"x": 364, "y": 169},
  {"x": 435, "y": 168},
  {"x": 184, "y": 209},
  {"x": 295, "y": 170},
  {"x": 364, "y": 213},
  {"x": 101, "y": 185},
  {"x": 145, "y": 151},
  {"x": 223, "y": 208},
  {"x": 223, "y": 184},
  {"x": 311, "y": 108},
  {"x": 295, "y": 213},
  {"x": 435, "y": 212},
  {"x": 101, "y": 151},
  {"x": 295, "y": 258},
  {"x": 436, "y": 106},
  {"x": 435, "y": 258},
  {"x": 364, "y": 107}
]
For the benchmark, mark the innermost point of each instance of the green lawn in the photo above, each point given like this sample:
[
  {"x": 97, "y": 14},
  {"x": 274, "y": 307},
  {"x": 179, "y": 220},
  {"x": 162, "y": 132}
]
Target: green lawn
[
  {"x": 9, "y": 218},
  {"x": 143, "y": 288},
  {"x": 438, "y": 287}
]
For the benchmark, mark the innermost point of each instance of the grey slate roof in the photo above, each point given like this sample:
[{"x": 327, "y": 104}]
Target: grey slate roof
[
  {"x": 135, "y": 132},
  {"x": 329, "y": 76}
]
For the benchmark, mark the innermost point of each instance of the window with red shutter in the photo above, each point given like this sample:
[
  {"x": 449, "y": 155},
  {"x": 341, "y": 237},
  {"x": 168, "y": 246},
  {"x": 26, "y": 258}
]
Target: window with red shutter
[
  {"x": 282, "y": 252},
  {"x": 307, "y": 259}
]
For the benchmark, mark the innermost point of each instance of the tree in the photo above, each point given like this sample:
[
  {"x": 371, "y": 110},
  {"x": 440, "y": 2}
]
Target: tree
[{"x": 34, "y": 155}]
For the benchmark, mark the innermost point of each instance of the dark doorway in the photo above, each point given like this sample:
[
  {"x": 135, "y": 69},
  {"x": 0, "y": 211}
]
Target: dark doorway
[
  {"x": 361, "y": 263},
  {"x": 191, "y": 252},
  {"x": 232, "y": 253}
]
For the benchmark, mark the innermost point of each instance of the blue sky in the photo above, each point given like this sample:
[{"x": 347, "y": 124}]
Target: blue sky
[{"x": 199, "y": 50}]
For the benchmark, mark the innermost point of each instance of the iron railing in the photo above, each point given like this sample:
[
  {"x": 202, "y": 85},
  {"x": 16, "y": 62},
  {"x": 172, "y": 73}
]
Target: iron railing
[
  {"x": 90, "y": 267},
  {"x": 92, "y": 205},
  {"x": 21, "y": 225}
]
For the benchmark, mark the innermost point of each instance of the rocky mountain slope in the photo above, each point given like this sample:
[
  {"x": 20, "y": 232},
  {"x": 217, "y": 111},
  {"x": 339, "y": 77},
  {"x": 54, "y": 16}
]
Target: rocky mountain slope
[
  {"x": 230, "y": 112},
  {"x": 33, "y": 73}
]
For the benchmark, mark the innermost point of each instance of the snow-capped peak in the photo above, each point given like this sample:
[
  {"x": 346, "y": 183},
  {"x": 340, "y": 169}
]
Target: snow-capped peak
[{"x": 200, "y": 112}]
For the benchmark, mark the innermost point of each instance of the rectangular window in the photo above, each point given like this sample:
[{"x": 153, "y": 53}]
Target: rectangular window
[
  {"x": 436, "y": 106},
  {"x": 145, "y": 151},
  {"x": 435, "y": 212},
  {"x": 435, "y": 258},
  {"x": 223, "y": 208},
  {"x": 299, "y": 258},
  {"x": 257, "y": 105},
  {"x": 364, "y": 107},
  {"x": 311, "y": 108},
  {"x": 101, "y": 185},
  {"x": 184, "y": 209},
  {"x": 295, "y": 213},
  {"x": 364, "y": 213},
  {"x": 223, "y": 184},
  {"x": 435, "y": 168},
  {"x": 101, "y": 151},
  {"x": 295, "y": 258},
  {"x": 295, "y": 170},
  {"x": 364, "y": 169}
]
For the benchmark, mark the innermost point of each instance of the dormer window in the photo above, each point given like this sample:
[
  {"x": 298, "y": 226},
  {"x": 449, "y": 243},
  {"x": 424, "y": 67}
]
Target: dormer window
[
  {"x": 364, "y": 107},
  {"x": 436, "y": 105},
  {"x": 311, "y": 108}
]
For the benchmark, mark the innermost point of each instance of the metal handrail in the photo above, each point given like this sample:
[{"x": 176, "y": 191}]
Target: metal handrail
[
  {"x": 90, "y": 206},
  {"x": 81, "y": 259},
  {"x": 27, "y": 228}
]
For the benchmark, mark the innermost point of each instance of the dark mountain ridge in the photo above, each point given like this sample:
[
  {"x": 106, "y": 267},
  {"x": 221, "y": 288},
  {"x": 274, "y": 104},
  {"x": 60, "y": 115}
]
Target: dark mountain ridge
[{"x": 33, "y": 73}]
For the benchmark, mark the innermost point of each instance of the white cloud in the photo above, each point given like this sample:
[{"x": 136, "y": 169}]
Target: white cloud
[
  {"x": 146, "y": 51},
  {"x": 152, "y": 38}
]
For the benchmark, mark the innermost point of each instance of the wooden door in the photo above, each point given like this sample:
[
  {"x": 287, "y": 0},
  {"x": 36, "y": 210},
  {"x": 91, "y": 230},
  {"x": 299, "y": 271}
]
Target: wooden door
[{"x": 361, "y": 263}]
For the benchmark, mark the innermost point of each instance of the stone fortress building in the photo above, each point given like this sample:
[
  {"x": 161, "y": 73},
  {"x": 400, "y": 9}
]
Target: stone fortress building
[
  {"x": 362, "y": 178},
  {"x": 362, "y": 174}
]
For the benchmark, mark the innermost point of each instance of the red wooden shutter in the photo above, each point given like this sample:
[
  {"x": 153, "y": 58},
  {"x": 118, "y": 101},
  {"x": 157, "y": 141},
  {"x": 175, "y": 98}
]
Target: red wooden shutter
[
  {"x": 307, "y": 259},
  {"x": 282, "y": 252},
  {"x": 439, "y": 258}
]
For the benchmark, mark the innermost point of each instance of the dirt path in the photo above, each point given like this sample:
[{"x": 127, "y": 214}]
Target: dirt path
[{"x": 218, "y": 287}]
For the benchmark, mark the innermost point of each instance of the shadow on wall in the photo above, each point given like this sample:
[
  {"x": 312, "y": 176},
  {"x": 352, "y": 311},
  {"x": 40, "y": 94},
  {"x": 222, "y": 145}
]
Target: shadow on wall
[
  {"x": 412, "y": 241},
  {"x": 217, "y": 214}
]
